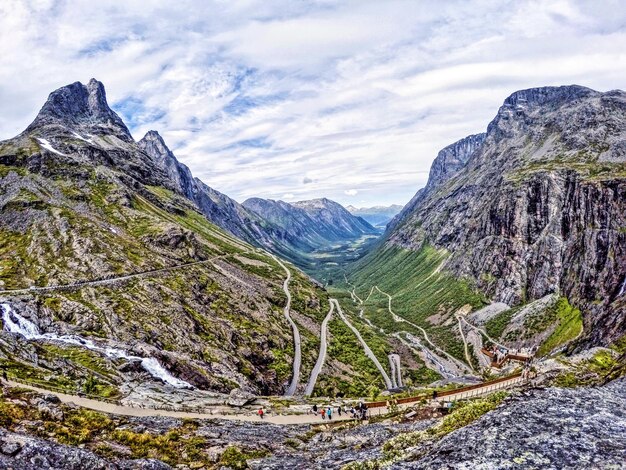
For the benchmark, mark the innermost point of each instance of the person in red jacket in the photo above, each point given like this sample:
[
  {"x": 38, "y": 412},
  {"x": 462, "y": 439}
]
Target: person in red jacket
[{"x": 261, "y": 412}]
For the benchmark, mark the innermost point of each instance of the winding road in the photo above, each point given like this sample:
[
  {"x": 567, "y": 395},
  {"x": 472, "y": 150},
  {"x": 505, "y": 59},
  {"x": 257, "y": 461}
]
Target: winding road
[
  {"x": 398, "y": 319},
  {"x": 479, "y": 330},
  {"x": 99, "y": 282},
  {"x": 366, "y": 348},
  {"x": 322, "y": 354},
  {"x": 297, "y": 356}
]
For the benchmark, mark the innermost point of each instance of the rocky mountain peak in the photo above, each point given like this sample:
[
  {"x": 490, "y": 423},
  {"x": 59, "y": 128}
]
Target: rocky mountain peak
[
  {"x": 452, "y": 158},
  {"x": 153, "y": 144},
  {"x": 80, "y": 106},
  {"x": 549, "y": 94}
]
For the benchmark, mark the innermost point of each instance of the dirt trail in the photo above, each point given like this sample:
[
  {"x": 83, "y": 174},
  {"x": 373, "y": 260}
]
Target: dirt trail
[
  {"x": 100, "y": 282},
  {"x": 302, "y": 418}
]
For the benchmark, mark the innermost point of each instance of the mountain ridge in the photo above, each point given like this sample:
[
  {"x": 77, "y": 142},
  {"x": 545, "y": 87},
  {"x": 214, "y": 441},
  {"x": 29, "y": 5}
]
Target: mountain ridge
[{"x": 537, "y": 207}]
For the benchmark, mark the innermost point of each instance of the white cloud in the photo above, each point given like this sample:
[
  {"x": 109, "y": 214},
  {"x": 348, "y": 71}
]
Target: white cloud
[
  {"x": 351, "y": 192},
  {"x": 271, "y": 98}
]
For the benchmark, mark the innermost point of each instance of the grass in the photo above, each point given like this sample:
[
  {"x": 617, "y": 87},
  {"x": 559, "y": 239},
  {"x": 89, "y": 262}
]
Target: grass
[
  {"x": 570, "y": 325},
  {"x": 496, "y": 325},
  {"x": 419, "y": 289}
]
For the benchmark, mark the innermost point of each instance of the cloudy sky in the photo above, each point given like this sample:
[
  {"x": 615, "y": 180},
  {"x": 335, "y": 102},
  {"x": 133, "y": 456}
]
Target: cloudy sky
[{"x": 293, "y": 100}]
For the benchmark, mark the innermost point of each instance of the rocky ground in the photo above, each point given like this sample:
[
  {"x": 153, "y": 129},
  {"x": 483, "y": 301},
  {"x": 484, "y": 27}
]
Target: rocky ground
[
  {"x": 551, "y": 428},
  {"x": 542, "y": 428}
]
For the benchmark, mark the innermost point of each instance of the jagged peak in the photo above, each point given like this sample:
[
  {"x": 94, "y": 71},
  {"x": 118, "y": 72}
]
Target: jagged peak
[
  {"x": 81, "y": 105},
  {"x": 153, "y": 135},
  {"x": 153, "y": 144}
]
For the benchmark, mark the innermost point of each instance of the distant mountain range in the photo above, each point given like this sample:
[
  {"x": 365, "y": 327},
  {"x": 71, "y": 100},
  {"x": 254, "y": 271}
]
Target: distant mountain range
[
  {"x": 309, "y": 225},
  {"x": 378, "y": 216}
]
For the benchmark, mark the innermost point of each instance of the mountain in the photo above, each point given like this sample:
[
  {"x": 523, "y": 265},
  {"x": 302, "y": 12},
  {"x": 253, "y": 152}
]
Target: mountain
[
  {"x": 378, "y": 216},
  {"x": 311, "y": 224},
  {"x": 217, "y": 207},
  {"x": 180, "y": 299},
  {"x": 532, "y": 211}
]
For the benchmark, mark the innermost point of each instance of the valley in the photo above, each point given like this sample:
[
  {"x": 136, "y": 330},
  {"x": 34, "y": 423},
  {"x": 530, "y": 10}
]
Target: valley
[{"x": 133, "y": 289}]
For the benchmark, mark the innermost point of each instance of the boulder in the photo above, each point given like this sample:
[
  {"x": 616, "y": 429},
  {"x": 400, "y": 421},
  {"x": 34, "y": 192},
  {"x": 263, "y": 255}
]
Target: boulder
[{"x": 239, "y": 397}]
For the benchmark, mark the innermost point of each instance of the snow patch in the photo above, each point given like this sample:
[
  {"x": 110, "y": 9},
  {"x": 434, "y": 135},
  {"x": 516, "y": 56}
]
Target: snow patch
[
  {"x": 78, "y": 136},
  {"x": 45, "y": 144},
  {"x": 17, "y": 324}
]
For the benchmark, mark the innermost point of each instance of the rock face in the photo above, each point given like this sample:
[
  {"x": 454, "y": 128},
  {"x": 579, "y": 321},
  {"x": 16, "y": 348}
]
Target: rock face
[
  {"x": 83, "y": 107},
  {"x": 29, "y": 453},
  {"x": 552, "y": 428},
  {"x": 311, "y": 224},
  {"x": 537, "y": 205}
]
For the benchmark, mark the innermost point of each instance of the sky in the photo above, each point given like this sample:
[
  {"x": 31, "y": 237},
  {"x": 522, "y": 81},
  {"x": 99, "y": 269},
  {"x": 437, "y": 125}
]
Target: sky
[{"x": 295, "y": 100}]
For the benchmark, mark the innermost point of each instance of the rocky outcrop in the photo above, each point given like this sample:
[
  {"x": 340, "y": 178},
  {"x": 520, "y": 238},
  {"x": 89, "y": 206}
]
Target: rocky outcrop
[
  {"x": 552, "y": 428},
  {"x": 539, "y": 206},
  {"x": 31, "y": 453}
]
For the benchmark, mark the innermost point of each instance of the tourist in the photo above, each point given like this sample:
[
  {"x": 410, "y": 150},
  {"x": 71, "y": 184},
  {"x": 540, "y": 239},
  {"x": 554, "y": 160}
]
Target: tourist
[
  {"x": 323, "y": 413},
  {"x": 330, "y": 413},
  {"x": 339, "y": 410},
  {"x": 315, "y": 409},
  {"x": 261, "y": 412}
]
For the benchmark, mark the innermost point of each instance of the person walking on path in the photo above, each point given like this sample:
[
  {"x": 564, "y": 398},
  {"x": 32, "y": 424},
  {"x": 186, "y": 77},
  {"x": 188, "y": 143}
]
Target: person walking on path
[
  {"x": 339, "y": 410},
  {"x": 261, "y": 413},
  {"x": 323, "y": 413},
  {"x": 315, "y": 409},
  {"x": 330, "y": 413}
]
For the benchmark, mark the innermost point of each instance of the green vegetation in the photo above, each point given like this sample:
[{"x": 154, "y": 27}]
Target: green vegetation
[
  {"x": 590, "y": 169},
  {"x": 422, "y": 292},
  {"x": 602, "y": 367},
  {"x": 233, "y": 457},
  {"x": 570, "y": 325},
  {"x": 495, "y": 326}
]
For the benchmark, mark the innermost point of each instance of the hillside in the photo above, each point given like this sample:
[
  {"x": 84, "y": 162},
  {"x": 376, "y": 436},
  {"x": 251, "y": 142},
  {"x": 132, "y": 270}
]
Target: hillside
[
  {"x": 532, "y": 210},
  {"x": 182, "y": 302}
]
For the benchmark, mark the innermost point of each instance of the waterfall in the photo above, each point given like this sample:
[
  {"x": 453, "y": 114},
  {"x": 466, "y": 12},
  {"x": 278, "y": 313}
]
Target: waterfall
[
  {"x": 621, "y": 291},
  {"x": 17, "y": 324}
]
